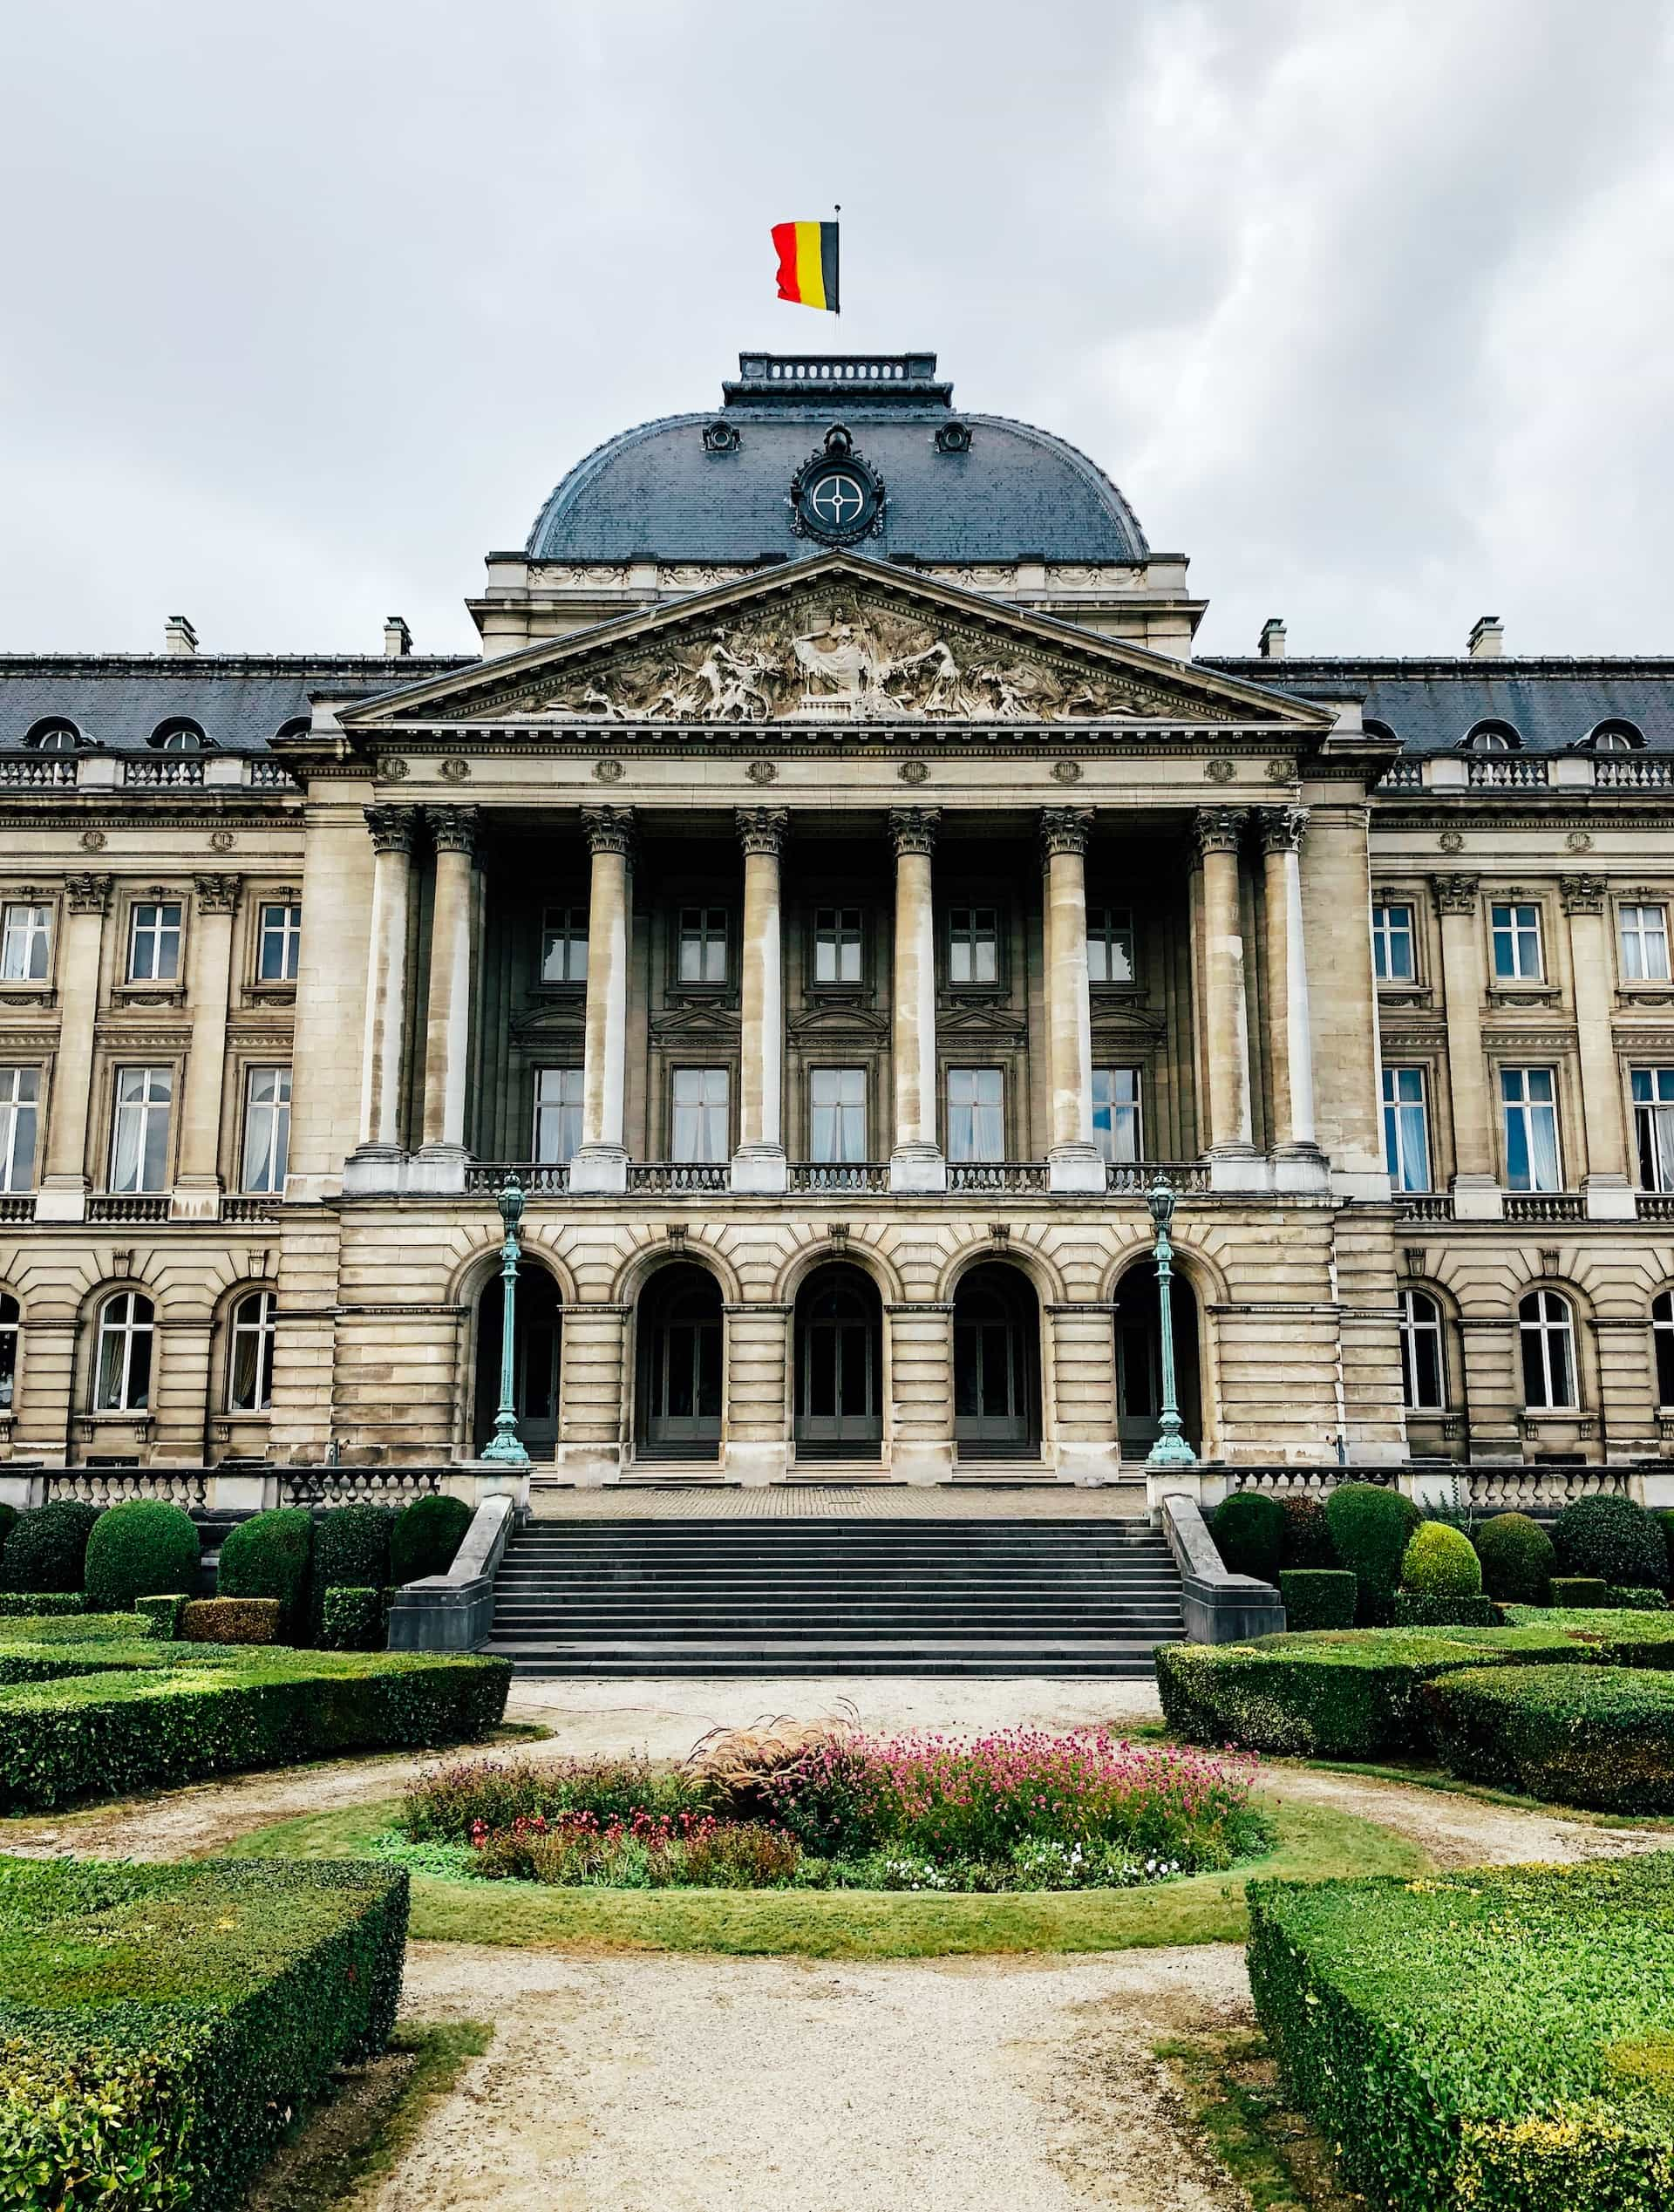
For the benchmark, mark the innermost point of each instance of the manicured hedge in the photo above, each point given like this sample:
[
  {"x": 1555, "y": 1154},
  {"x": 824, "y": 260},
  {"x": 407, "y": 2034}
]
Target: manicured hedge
[
  {"x": 137, "y": 1548},
  {"x": 352, "y": 1620},
  {"x": 426, "y": 1534},
  {"x": 1317, "y": 1597},
  {"x": 1248, "y": 1531},
  {"x": 1619, "y": 1637},
  {"x": 232, "y": 1620},
  {"x": 197, "y": 1712},
  {"x": 160, "y": 2025},
  {"x": 48, "y": 1546},
  {"x": 1517, "y": 1559},
  {"x": 1571, "y": 1591},
  {"x": 1612, "y": 1538},
  {"x": 8, "y": 1517},
  {"x": 1573, "y": 1735},
  {"x": 1415, "y": 1610},
  {"x": 1639, "y": 1600},
  {"x": 163, "y": 1613},
  {"x": 270, "y": 1555},
  {"x": 35, "y": 1603},
  {"x": 351, "y": 1550},
  {"x": 1371, "y": 1528},
  {"x": 1480, "y": 2038}
]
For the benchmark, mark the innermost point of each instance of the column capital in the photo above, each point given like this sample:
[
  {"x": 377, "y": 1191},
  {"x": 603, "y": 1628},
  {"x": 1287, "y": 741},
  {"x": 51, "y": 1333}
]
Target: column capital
[
  {"x": 1281, "y": 828},
  {"x": 453, "y": 829},
  {"x": 1219, "y": 829},
  {"x": 88, "y": 894},
  {"x": 216, "y": 894},
  {"x": 1065, "y": 829},
  {"x": 609, "y": 829},
  {"x": 912, "y": 829},
  {"x": 1455, "y": 894},
  {"x": 763, "y": 829},
  {"x": 1582, "y": 894},
  {"x": 393, "y": 828}
]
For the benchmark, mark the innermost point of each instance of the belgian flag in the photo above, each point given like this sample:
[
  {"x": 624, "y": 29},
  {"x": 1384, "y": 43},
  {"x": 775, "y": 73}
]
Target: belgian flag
[{"x": 807, "y": 263}]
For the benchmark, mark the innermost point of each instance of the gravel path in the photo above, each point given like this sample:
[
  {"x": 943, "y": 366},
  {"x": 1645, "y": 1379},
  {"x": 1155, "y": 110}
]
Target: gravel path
[
  {"x": 657, "y": 2084},
  {"x": 1462, "y": 1831}
]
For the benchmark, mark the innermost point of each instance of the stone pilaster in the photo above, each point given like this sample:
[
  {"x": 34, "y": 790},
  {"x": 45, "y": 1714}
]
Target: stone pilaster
[
  {"x": 1082, "y": 1346},
  {"x": 915, "y": 1163},
  {"x": 197, "y": 1189},
  {"x": 755, "y": 1447},
  {"x": 452, "y": 962},
  {"x": 1343, "y": 998},
  {"x": 1074, "y": 1161},
  {"x": 759, "y": 1164},
  {"x": 592, "y": 1353},
  {"x": 1220, "y": 832},
  {"x": 1298, "y": 1164},
  {"x": 920, "y": 1391},
  {"x": 62, "y": 1194},
  {"x": 601, "y": 1162},
  {"x": 1605, "y": 1180},
  {"x": 383, "y": 1051},
  {"x": 1476, "y": 1189}
]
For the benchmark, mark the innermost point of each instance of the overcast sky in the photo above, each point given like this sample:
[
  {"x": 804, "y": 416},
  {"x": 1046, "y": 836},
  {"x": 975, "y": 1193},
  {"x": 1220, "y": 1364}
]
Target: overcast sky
[{"x": 1368, "y": 307}]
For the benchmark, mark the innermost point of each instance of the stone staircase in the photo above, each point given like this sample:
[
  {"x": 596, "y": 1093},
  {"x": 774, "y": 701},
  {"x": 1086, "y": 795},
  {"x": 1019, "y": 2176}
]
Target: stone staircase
[{"x": 816, "y": 1595}]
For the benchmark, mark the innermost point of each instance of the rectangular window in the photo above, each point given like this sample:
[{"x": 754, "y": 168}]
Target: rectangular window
[
  {"x": 702, "y": 1122},
  {"x": 1517, "y": 944},
  {"x": 24, "y": 943},
  {"x": 155, "y": 942},
  {"x": 20, "y": 1106},
  {"x": 837, "y": 945},
  {"x": 266, "y": 1129},
  {"x": 1116, "y": 1112},
  {"x": 1528, "y": 1097},
  {"x": 1645, "y": 944},
  {"x": 1392, "y": 943},
  {"x": 1406, "y": 1128},
  {"x": 1110, "y": 944},
  {"x": 973, "y": 945},
  {"x": 140, "y": 1137},
  {"x": 281, "y": 936},
  {"x": 557, "y": 1113},
  {"x": 564, "y": 945},
  {"x": 703, "y": 944},
  {"x": 837, "y": 1114},
  {"x": 976, "y": 1113},
  {"x": 1653, "y": 1126}
]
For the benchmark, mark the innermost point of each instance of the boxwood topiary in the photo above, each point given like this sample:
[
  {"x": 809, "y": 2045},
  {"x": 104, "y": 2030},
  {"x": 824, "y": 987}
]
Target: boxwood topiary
[
  {"x": 1371, "y": 1528},
  {"x": 1307, "y": 1534},
  {"x": 1517, "y": 1559},
  {"x": 1639, "y": 1601},
  {"x": 350, "y": 1620},
  {"x": 230, "y": 1620},
  {"x": 426, "y": 1534},
  {"x": 7, "y": 1515},
  {"x": 1317, "y": 1598},
  {"x": 1248, "y": 1531},
  {"x": 1568, "y": 1591},
  {"x": 269, "y": 1556},
  {"x": 1418, "y": 1609},
  {"x": 351, "y": 1549},
  {"x": 1613, "y": 1539},
  {"x": 48, "y": 1547},
  {"x": 1440, "y": 1561},
  {"x": 138, "y": 1548}
]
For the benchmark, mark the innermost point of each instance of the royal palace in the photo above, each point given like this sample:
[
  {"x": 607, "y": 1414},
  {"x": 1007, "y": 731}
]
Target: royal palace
[{"x": 836, "y": 891}]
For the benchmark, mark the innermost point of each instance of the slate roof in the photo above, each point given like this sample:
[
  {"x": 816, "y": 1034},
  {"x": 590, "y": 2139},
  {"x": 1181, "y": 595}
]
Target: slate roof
[{"x": 1431, "y": 705}]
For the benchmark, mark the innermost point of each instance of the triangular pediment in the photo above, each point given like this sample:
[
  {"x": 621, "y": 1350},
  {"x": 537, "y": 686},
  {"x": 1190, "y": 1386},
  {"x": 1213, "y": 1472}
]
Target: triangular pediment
[{"x": 836, "y": 640}]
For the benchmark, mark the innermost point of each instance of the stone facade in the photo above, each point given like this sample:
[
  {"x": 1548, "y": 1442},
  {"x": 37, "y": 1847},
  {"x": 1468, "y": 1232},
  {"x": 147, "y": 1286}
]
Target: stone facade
[{"x": 835, "y": 948}]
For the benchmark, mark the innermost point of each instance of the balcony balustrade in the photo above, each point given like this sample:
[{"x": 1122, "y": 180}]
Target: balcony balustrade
[
  {"x": 1424, "y": 1206},
  {"x": 1545, "y": 1206},
  {"x": 37, "y": 773},
  {"x": 127, "y": 1206},
  {"x": 1133, "y": 1178},
  {"x": 997, "y": 1174},
  {"x": 846, "y": 1175},
  {"x": 673, "y": 1178},
  {"x": 540, "y": 1178},
  {"x": 175, "y": 770}
]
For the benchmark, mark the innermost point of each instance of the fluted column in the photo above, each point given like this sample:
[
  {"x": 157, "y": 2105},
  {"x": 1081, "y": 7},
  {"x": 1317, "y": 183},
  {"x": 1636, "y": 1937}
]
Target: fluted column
[
  {"x": 759, "y": 1164},
  {"x": 917, "y": 1162},
  {"x": 62, "y": 1194},
  {"x": 392, "y": 829},
  {"x": 1219, "y": 831},
  {"x": 197, "y": 1183},
  {"x": 601, "y": 1161},
  {"x": 1606, "y": 1179},
  {"x": 1290, "y": 1024},
  {"x": 452, "y": 950},
  {"x": 1476, "y": 1190},
  {"x": 1074, "y": 1161}
]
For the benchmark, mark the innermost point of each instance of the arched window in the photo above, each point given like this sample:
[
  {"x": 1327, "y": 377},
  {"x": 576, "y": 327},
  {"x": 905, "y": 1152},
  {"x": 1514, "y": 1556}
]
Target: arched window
[
  {"x": 249, "y": 1370},
  {"x": 122, "y": 1383},
  {"x": 1373, "y": 728},
  {"x": 55, "y": 735},
  {"x": 1614, "y": 737},
  {"x": 11, "y": 1330},
  {"x": 1493, "y": 737},
  {"x": 1424, "y": 1374},
  {"x": 298, "y": 726},
  {"x": 1662, "y": 1336},
  {"x": 1548, "y": 1330},
  {"x": 179, "y": 736}
]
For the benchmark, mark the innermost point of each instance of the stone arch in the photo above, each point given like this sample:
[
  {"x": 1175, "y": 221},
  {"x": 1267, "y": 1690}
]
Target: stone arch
[
  {"x": 481, "y": 1263},
  {"x": 837, "y": 1348},
  {"x": 637, "y": 1269},
  {"x": 807, "y": 1258},
  {"x": 1001, "y": 1369},
  {"x": 1044, "y": 1277},
  {"x": 676, "y": 1370}
]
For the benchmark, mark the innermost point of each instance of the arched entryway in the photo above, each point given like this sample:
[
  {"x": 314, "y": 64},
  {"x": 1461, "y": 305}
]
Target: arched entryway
[
  {"x": 1138, "y": 1359},
  {"x": 996, "y": 1365},
  {"x": 680, "y": 1364},
  {"x": 538, "y": 1329},
  {"x": 839, "y": 1350}
]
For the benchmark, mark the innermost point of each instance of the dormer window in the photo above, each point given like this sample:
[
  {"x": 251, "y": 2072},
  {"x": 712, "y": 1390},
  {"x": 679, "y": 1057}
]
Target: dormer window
[
  {"x": 1493, "y": 737},
  {"x": 56, "y": 737},
  {"x": 298, "y": 726},
  {"x": 1614, "y": 737},
  {"x": 179, "y": 736}
]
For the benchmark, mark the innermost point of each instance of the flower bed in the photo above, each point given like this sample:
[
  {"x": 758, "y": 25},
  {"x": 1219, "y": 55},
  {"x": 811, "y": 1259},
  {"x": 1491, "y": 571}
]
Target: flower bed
[
  {"x": 1014, "y": 1810},
  {"x": 1499, "y": 2039}
]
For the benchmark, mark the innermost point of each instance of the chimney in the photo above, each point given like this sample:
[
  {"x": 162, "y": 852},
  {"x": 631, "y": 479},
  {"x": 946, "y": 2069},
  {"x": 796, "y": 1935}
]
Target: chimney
[
  {"x": 397, "y": 638},
  {"x": 1487, "y": 638},
  {"x": 180, "y": 639},
  {"x": 1272, "y": 645}
]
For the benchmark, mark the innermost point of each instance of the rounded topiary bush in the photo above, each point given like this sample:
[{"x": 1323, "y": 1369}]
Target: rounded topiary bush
[
  {"x": 1248, "y": 1531},
  {"x": 1519, "y": 1559},
  {"x": 1613, "y": 1539},
  {"x": 269, "y": 1556},
  {"x": 1307, "y": 1533},
  {"x": 351, "y": 1549},
  {"x": 425, "y": 1536},
  {"x": 1371, "y": 1528},
  {"x": 1440, "y": 1561},
  {"x": 140, "y": 1548},
  {"x": 48, "y": 1547}
]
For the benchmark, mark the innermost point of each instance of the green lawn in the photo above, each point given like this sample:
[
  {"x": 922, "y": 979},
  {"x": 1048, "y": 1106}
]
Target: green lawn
[{"x": 1313, "y": 1841}]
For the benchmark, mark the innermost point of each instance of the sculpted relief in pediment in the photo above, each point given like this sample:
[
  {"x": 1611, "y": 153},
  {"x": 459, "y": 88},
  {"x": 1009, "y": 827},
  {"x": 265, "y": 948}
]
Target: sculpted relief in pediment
[{"x": 845, "y": 662}]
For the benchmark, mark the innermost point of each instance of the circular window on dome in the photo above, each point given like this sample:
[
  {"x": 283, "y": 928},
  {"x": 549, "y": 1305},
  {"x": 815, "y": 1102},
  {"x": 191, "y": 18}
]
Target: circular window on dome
[{"x": 836, "y": 496}]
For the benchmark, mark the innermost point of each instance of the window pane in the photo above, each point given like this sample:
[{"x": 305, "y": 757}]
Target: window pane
[
  {"x": 701, "y": 1130},
  {"x": 1116, "y": 1112},
  {"x": 564, "y": 945},
  {"x": 557, "y": 1113}
]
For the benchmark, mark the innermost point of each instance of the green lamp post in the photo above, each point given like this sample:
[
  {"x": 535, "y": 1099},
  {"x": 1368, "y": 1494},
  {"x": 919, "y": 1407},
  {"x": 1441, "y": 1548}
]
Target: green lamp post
[
  {"x": 1171, "y": 1449},
  {"x": 506, "y": 1446}
]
